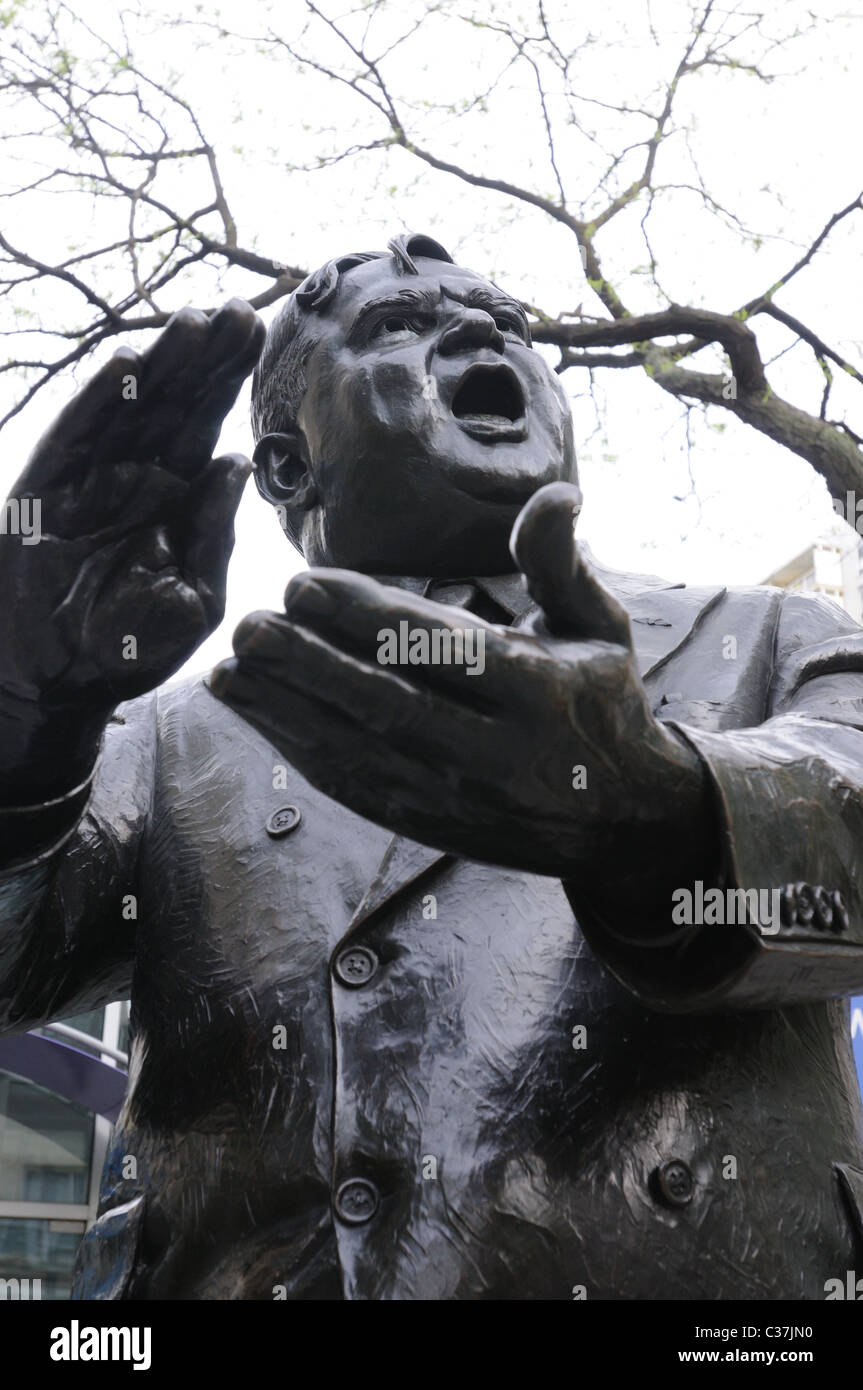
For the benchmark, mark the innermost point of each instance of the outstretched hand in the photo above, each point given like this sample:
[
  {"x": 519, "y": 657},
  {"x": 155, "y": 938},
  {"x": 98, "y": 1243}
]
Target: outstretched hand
[{"x": 547, "y": 759}]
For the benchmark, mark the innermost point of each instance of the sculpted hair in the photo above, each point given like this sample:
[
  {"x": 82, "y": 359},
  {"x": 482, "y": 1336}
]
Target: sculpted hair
[{"x": 279, "y": 380}]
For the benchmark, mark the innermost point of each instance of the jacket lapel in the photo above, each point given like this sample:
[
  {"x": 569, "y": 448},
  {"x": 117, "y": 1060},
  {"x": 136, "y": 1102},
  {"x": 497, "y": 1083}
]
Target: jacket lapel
[
  {"x": 663, "y": 615},
  {"x": 660, "y": 625},
  {"x": 403, "y": 863}
]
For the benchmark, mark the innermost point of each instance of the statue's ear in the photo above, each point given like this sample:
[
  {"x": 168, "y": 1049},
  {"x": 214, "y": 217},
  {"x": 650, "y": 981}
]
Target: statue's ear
[{"x": 282, "y": 473}]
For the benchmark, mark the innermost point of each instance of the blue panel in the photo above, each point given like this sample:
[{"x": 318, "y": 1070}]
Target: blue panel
[{"x": 87, "y": 1081}]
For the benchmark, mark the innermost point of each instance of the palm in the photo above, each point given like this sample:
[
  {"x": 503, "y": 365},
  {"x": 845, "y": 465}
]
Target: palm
[{"x": 136, "y": 518}]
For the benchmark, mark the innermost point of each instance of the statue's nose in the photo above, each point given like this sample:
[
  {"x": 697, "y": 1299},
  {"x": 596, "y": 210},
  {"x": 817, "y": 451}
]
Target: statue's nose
[{"x": 475, "y": 328}]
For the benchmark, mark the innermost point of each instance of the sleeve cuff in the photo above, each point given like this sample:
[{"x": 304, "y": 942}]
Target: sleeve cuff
[{"x": 31, "y": 835}]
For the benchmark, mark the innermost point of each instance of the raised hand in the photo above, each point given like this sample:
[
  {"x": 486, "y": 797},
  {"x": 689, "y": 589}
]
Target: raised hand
[{"x": 136, "y": 521}]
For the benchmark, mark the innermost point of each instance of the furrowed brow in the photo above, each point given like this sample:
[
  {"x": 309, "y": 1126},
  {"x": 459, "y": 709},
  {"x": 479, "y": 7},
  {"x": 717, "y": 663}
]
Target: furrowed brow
[
  {"x": 426, "y": 300},
  {"x": 481, "y": 299}
]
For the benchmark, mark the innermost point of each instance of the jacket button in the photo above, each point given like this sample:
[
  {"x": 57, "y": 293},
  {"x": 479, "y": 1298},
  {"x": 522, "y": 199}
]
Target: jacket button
[
  {"x": 356, "y": 1201},
  {"x": 283, "y": 821},
  {"x": 355, "y": 966},
  {"x": 674, "y": 1182},
  {"x": 839, "y": 914}
]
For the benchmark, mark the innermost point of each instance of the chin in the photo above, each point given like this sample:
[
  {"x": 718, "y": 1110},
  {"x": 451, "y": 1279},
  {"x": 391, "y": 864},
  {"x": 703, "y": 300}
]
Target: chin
[
  {"x": 503, "y": 487},
  {"x": 498, "y": 469},
  {"x": 450, "y": 515}
]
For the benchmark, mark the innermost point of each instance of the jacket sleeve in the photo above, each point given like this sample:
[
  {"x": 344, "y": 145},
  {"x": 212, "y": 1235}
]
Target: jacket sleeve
[
  {"x": 789, "y": 801},
  {"x": 68, "y": 891}
]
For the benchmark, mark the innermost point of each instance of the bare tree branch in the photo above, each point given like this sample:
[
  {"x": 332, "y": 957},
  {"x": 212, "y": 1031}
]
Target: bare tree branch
[{"x": 121, "y": 133}]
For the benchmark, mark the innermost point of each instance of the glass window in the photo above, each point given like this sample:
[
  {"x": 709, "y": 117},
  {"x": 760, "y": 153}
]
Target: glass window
[
  {"x": 92, "y": 1022},
  {"x": 43, "y": 1250},
  {"x": 46, "y": 1144},
  {"x": 123, "y": 1039}
]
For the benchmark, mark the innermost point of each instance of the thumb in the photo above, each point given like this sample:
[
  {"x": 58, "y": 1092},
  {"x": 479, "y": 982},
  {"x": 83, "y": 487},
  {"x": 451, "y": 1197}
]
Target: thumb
[{"x": 543, "y": 545}]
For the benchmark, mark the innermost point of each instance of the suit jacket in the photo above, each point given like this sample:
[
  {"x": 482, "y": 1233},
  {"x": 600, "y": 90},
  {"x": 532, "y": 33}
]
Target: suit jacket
[{"x": 361, "y": 1068}]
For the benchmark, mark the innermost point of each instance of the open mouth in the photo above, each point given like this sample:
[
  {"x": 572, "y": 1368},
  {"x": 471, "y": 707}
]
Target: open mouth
[{"x": 489, "y": 403}]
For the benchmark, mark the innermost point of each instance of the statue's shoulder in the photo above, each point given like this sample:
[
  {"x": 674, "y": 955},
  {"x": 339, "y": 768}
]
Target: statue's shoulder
[
  {"x": 188, "y": 704},
  {"x": 637, "y": 590},
  {"x": 187, "y": 695},
  {"x": 795, "y": 620},
  {"x": 630, "y": 584},
  {"x": 194, "y": 738},
  {"x": 623, "y": 582},
  {"x": 175, "y": 709}
]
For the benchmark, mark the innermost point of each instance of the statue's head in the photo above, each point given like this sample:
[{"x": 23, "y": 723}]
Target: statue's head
[{"x": 402, "y": 417}]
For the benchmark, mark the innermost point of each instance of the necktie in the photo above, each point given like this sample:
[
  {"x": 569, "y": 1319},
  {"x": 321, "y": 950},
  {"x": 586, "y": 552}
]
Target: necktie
[{"x": 464, "y": 593}]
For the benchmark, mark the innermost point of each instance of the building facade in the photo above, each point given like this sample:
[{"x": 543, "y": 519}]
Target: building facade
[
  {"x": 832, "y": 565},
  {"x": 52, "y": 1144}
]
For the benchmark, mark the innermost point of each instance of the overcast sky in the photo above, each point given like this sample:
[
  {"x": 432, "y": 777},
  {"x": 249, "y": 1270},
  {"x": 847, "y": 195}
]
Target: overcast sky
[{"x": 782, "y": 156}]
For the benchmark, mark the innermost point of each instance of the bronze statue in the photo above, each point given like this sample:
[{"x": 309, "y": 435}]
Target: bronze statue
[{"x": 487, "y": 917}]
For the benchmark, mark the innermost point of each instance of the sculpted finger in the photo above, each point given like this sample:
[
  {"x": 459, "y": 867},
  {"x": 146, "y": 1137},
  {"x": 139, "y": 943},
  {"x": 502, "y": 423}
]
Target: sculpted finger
[
  {"x": 177, "y": 353},
  {"x": 431, "y": 644},
  {"x": 63, "y": 449},
  {"x": 210, "y": 536},
  {"x": 236, "y": 336},
  {"x": 559, "y": 579},
  {"x": 376, "y": 696},
  {"x": 158, "y": 400},
  {"x": 396, "y": 787},
  {"x": 381, "y": 699},
  {"x": 189, "y": 380}
]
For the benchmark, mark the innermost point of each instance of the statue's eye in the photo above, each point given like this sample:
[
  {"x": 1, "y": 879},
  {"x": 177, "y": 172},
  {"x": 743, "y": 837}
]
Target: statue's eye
[
  {"x": 395, "y": 324},
  {"x": 507, "y": 323}
]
